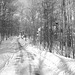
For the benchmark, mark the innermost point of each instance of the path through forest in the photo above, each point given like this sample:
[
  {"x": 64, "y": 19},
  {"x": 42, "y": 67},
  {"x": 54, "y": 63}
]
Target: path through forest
[{"x": 30, "y": 60}]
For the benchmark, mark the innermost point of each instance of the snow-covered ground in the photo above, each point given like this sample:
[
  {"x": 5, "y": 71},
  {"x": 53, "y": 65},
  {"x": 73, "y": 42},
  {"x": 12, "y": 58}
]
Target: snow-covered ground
[
  {"x": 33, "y": 61},
  {"x": 9, "y": 45}
]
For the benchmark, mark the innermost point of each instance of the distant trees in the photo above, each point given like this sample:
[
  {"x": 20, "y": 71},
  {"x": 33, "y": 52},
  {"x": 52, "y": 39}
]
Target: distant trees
[
  {"x": 6, "y": 18},
  {"x": 52, "y": 20},
  {"x": 58, "y": 19},
  {"x": 67, "y": 25},
  {"x": 36, "y": 17},
  {"x": 30, "y": 17},
  {"x": 48, "y": 8}
]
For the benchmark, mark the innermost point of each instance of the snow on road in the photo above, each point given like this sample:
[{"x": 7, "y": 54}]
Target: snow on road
[
  {"x": 32, "y": 60},
  {"x": 7, "y": 69},
  {"x": 9, "y": 45}
]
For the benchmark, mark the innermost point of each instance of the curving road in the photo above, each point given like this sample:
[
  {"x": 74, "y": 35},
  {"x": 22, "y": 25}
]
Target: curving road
[{"x": 30, "y": 60}]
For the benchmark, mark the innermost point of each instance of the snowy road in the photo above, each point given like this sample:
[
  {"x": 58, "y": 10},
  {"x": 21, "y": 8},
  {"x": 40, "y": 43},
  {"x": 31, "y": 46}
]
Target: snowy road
[{"x": 32, "y": 61}]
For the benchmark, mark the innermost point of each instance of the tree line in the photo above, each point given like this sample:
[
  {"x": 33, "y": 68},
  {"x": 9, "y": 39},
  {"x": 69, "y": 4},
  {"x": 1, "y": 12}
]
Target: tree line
[
  {"x": 51, "y": 22},
  {"x": 58, "y": 26},
  {"x": 8, "y": 25}
]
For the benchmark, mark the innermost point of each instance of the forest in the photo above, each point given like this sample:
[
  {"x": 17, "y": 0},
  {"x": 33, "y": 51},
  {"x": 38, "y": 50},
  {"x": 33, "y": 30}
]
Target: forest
[{"x": 50, "y": 23}]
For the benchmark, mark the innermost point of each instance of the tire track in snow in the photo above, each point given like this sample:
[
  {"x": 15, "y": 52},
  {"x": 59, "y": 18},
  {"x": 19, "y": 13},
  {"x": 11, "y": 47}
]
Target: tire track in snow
[{"x": 8, "y": 66}]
